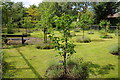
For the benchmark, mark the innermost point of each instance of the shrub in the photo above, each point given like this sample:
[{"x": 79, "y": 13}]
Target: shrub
[
  {"x": 48, "y": 32},
  {"x": 76, "y": 30},
  {"x": 26, "y": 34},
  {"x": 114, "y": 49},
  {"x": 72, "y": 34},
  {"x": 106, "y": 36},
  {"x": 10, "y": 31},
  {"x": 44, "y": 46},
  {"x": 117, "y": 33},
  {"x": 29, "y": 31},
  {"x": 102, "y": 32},
  {"x": 54, "y": 70},
  {"x": 111, "y": 31},
  {"x": 90, "y": 32},
  {"x": 83, "y": 39}
]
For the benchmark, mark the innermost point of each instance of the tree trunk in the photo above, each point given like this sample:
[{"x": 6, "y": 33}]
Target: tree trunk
[
  {"x": 26, "y": 30},
  {"x": 83, "y": 32},
  {"x": 65, "y": 52},
  {"x": 105, "y": 30},
  {"x": 65, "y": 68},
  {"x": 18, "y": 29},
  {"x": 22, "y": 40},
  {"x": 45, "y": 35}
]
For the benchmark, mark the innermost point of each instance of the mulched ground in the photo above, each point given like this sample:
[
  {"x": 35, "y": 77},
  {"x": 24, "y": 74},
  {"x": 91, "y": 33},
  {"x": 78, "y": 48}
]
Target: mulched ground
[{"x": 29, "y": 40}]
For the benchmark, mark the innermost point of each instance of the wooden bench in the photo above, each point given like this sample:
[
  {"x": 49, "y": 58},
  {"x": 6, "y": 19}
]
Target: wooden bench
[{"x": 22, "y": 36}]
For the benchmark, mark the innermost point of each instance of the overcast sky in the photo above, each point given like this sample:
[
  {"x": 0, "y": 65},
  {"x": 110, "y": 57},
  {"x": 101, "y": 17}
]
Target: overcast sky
[{"x": 27, "y": 3}]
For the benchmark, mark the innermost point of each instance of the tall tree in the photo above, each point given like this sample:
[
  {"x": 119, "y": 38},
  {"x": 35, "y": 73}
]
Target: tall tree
[
  {"x": 85, "y": 20},
  {"x": 32, "y": 12},
  {"x": 103, "y": 9},
  {"x": 7, "y": 14},
  {"x": 18, "y": 14},
  {"x": 12, "y": 14}
]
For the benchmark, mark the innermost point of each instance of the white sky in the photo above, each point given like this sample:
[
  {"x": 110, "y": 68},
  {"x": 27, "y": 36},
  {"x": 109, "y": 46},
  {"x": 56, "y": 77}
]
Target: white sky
[{"x": 27, "y": 3}]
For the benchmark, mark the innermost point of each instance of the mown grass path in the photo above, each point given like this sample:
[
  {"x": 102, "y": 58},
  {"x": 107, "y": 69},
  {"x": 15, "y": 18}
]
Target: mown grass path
[{"x": 28, "y": 63}]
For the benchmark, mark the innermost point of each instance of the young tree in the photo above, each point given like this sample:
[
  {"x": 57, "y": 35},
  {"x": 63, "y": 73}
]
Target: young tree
[
  {"x": 63, "y": 44},
  {"x": 26, "y": 23},
  {"x": 85, "y": 20},
  {"x": 47, "y": 11},
  {"x": 105, "y": 24}
]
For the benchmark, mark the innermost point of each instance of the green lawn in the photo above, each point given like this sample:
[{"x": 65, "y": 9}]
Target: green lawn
[{"x": 30, "y": 62}]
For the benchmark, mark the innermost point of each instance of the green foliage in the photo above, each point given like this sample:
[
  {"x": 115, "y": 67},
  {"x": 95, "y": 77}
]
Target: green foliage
[
  {"x": 112, "y": 31},
  {"x": 63, "y": 45},
  {"x": 84, "y": 39},
  {"x": 33, "y": 13},
  {"x": 26, "y": 23},
  {"x": 10, "y": 31},
  {"x": 7, "y": 10},
  {"x": 102, "y": 32},
  {"x": 12, "y": 15},
  {"x": 60, "y": 45},
  {"x": 46, "y": 11},
  {"x": 10, "y": 27},
  {"x": 105, "y": 25},
  {"x": 73, "y": 24},
  {"x": 85, "y": 20},
  {"x": 104, "y": 35},
  {"x": 63, "y": 21},
  {"x": 117, "y": 32}
]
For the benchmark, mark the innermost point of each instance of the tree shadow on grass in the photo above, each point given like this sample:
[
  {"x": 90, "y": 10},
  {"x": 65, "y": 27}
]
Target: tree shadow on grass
[
  {"x": 14, "y": 56},
  {"x": 98, "y": 40},
  {"x": 28, "y": 63},
  {"x": 8, "y": 69},
  {"x": 13, "y": 46}
]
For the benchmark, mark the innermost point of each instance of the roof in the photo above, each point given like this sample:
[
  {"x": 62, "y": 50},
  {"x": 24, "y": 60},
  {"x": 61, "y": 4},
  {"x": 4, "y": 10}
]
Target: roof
[{"x": 114, "y": 15}]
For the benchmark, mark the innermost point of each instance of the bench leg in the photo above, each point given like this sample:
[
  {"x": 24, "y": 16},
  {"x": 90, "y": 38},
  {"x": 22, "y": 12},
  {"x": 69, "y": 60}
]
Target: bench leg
[
  {"x": 6, "y": 40},
  {"x": 22, "y": 40}
]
